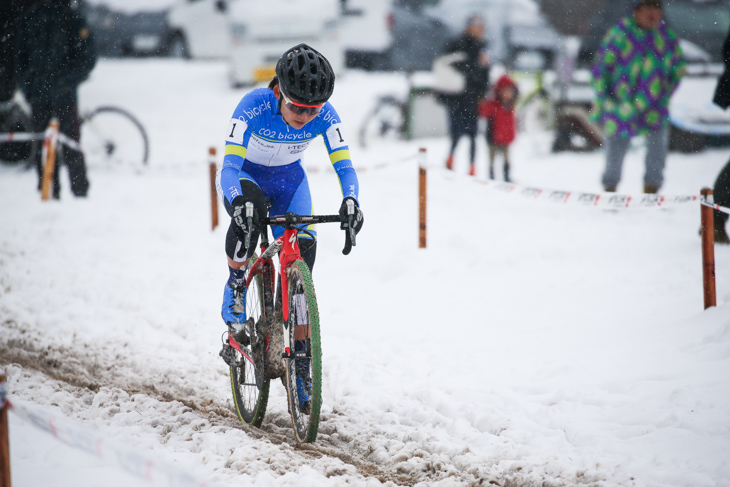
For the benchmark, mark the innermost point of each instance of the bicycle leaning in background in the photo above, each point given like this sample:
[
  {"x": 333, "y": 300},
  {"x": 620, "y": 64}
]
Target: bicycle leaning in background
[
  {"x": 262, "y": 348},
  {"x": 109, "y": 136}
]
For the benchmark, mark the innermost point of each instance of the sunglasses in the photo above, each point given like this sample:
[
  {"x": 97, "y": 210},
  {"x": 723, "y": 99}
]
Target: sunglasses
[{"x": 300, "y": 108}]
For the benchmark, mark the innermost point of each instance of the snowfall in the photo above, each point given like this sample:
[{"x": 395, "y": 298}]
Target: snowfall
[{"x": 531, "y": 343}]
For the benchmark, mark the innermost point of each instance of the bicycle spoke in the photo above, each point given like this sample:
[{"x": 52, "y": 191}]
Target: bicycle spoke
[
  {"x": 303, "y": 373},
  {"x": 110, "y": 135},
  {"x": 248, "y": 378}
]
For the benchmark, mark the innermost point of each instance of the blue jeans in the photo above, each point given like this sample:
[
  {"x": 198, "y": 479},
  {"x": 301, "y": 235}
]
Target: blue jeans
[{"x": 657, "y": 145}]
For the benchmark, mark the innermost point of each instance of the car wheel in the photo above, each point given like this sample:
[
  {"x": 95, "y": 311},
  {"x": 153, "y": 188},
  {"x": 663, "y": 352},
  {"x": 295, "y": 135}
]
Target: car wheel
[
  {"x": 684, "y": 141},
  {"x": 178, "y": 47}
]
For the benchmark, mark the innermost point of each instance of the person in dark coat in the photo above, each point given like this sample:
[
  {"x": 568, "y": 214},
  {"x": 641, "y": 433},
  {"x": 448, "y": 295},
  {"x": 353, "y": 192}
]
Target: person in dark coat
[
  {"x": 463, "y": 107},
  {"x": 722, "y": 184},
  {"x": 722, "y": 91},
  {"x": 10, "y": 12},
  {"x": 54, "y": 54}
]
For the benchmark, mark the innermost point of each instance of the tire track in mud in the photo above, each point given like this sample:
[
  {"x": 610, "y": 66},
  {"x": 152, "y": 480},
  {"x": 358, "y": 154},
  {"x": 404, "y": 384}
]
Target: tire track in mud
[{"x": 80, "y": 371}]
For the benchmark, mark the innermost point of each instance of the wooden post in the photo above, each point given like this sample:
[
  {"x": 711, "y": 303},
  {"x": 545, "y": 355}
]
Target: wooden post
[
  {"x": 422, "y": 198},
  {"x": 50, "y": 142},
  {"x": 212, "y": 166},
  {"x": 707, "y": 231},
  {"x": 4, "y": 441}
]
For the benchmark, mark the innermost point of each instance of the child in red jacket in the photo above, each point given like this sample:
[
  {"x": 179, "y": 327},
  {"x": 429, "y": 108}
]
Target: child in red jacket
[{"x": 499, "y": 110}]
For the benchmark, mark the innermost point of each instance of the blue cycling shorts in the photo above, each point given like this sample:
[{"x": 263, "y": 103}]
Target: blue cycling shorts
[{"x": 285, "y": 188}]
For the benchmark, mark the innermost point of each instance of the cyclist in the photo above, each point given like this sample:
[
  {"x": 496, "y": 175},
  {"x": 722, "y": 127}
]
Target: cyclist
[{"x": 269, "y": 130}]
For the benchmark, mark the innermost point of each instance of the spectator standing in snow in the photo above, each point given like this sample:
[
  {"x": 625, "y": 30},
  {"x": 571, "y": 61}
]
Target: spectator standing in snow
[
  {"x": 722, "y": 183},
  {"x": 637, "y": 68},
  {"x": 54, "y": 54},
  {"x": 474, "y": 66},
  {"x": 499, "y": 111},
  {"x": 10, "y": 12}
]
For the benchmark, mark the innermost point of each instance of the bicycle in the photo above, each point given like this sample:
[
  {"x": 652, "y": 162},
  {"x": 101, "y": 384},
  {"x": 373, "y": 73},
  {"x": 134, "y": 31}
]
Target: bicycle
[
  {"x": 15, "y": 118},
  {"x": 387, "y": 120},
  {"x": 109, "y": 135},
  {"x": 112, "y": 135},
  {"x": 280, "y": 318}
]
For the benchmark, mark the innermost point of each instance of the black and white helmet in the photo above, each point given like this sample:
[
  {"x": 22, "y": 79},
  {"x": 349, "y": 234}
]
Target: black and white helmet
[{"x": 305, "y": 75}]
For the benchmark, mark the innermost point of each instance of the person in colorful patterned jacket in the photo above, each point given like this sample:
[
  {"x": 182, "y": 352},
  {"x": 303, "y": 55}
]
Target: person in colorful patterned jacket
[{"x": 637, "y": 68}]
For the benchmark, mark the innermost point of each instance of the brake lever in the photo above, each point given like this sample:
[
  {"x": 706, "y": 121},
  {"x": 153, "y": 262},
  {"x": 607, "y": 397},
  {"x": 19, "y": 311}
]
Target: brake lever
[
  {"x": 249, "y": 223},
  {"x": 350, "y": 239}
]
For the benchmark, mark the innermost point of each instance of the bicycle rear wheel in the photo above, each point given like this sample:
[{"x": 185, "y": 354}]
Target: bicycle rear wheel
[
  {"x": 111, "y": 135},
  {"x": 385, "y": 122},
  {"x": 249, "y": 383},
  {"x": 303, "y": 326}
]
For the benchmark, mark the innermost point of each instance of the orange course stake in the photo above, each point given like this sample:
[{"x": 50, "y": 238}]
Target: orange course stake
[
  {"x": 213, "y": 192},
  {"x": 50, "y": 143},
  {"x": 4, "y": 441},
  {"x": 707, "y": 231},
  {"x": 422, "y": 198}
]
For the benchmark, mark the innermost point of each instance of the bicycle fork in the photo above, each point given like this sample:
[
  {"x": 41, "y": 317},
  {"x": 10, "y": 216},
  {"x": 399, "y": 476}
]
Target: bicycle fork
[{"x": 289, "y": 254}]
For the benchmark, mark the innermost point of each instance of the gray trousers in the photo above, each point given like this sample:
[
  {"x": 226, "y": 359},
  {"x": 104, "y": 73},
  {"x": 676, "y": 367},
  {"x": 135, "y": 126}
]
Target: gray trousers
[{"x": 657, "y": 145}]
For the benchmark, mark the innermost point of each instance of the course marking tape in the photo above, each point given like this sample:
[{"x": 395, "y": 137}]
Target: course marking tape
[
  {"x": 362, "y": 169},
  {"x": 716, "y": 207},
  {"x": 125, "y": 458},
  {"x": 602, "y": 200},
  {"x": 29, "y": 136}
]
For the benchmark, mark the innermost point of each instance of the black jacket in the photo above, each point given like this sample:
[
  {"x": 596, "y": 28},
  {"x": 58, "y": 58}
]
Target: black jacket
[
  {"x": 476, "y": 76},
  {"x": 10, "y": 12},
  {"x": 722, "y": 92},
  {"x": 54, "y": 52}
]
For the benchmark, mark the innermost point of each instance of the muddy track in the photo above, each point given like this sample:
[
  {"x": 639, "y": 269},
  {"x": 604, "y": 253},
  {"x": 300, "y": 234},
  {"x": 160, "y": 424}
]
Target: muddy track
[{"x": 88, "y": 372}]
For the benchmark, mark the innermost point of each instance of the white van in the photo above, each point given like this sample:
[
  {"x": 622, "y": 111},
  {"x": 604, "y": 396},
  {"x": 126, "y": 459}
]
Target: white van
[
  {"x": 253, "y": 34},
  {"x": 365, "y": 32},
  {"x": 199, "y": 29},
  {"x": 261, "y": 31}
]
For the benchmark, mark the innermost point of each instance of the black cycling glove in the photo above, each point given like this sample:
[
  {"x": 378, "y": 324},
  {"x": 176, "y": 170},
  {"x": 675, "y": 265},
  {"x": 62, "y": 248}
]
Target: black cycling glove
[{"x": 358, "y": 219}]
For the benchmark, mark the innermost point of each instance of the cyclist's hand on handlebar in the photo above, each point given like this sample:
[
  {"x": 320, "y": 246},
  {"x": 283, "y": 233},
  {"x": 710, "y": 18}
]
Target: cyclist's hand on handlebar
[
  {"x": 353, "y": 210},
  {"x": 246, "y": 219}
]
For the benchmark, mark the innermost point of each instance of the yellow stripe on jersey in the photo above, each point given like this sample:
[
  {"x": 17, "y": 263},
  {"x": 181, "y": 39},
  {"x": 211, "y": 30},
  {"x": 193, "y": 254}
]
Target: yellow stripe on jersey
[
  {"x": 236, "y": 150},
  {"x": 339, "y": 155}
]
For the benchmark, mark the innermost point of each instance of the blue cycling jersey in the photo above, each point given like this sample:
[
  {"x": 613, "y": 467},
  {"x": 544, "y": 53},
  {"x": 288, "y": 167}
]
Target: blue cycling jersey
[{"x": 258, "y": 135}]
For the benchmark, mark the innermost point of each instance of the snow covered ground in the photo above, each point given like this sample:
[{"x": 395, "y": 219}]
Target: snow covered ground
[{"x": 531, "y": 343}]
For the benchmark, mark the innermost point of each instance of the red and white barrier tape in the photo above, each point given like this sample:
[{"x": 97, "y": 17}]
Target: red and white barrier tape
[
  {"x": 30, "y": 136},
  {"x": 716, "y": 207},
  {"x": 20, "y": 137},
  {"x": 362, "y": 169},
  {"x": 599, "y": 200},
  {"x": 152, "y": 471}
]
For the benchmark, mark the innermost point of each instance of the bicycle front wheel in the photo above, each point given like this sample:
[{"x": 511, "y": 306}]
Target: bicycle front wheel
[
  {"x": 248, "y": 377},
  {"x": 304, "y": 366},
  {"x": 111, "y": 135}
]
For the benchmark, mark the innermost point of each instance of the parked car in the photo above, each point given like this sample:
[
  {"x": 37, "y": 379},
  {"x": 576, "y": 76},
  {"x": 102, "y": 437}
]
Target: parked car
[
  {"x": 420, "y": 29},
  {"x": 116, "y": 33}
]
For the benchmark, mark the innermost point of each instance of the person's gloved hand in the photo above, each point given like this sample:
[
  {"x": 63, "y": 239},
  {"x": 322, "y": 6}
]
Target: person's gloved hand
[
  {"x": 240, "y": 217},
  {"x": 356, "y": 212},
  {"x": 246, "y": 221}
]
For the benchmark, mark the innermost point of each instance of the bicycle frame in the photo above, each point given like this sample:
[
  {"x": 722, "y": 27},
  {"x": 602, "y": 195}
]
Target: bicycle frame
[{"x": 288, "y": 254}]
